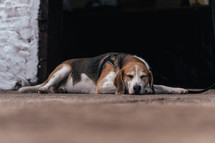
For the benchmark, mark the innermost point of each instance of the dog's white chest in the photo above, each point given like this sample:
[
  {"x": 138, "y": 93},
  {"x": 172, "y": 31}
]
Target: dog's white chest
[{"x": 85, "y": 85}]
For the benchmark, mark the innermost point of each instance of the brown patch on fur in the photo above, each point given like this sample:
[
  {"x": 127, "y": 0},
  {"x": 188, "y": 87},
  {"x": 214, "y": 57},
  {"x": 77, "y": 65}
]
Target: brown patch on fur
[
  {"x": 131, "y": 58},
  {"x": 129, "y": 67},
  {"x": 119, "y": 82}
]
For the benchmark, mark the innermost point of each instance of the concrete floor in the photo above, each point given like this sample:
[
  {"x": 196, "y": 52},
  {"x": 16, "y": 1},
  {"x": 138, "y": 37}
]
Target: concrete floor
[{"x": 87, "y": 118}]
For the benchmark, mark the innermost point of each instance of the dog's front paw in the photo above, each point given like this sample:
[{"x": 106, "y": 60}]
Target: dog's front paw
[{"x": 43, "y": 90}]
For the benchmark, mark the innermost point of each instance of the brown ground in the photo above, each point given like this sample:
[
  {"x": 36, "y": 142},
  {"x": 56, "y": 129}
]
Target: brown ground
[{"x": 69, "y": 118}]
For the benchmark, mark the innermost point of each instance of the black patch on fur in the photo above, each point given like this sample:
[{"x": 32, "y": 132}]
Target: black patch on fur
[{"x": 92, "y": 66}]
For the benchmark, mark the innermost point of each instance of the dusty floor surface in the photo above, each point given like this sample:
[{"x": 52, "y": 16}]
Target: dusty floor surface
[{"x": 70, "y": 118}]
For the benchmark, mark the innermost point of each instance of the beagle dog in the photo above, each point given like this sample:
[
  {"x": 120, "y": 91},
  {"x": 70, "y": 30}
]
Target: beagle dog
[{"x": 109, "y": 73}]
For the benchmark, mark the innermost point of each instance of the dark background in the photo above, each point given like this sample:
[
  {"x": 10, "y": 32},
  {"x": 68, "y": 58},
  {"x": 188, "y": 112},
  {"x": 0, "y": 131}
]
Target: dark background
[{"x": 177, "y": 42}]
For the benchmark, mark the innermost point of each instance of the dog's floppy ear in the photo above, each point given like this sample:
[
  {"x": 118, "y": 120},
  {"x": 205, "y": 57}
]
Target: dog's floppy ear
[
  {"x": 151, "y": 81},
  {"x": 118, "y": 82}
]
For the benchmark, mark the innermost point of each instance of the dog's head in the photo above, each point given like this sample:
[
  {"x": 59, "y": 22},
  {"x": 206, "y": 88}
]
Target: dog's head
[{"x": 134, "y": 77}]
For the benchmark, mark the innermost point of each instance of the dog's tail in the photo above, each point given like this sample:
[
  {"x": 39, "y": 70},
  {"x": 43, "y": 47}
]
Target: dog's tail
[
  {"x": 30, "y": 89},
  {"x": 201, "y": 91}
]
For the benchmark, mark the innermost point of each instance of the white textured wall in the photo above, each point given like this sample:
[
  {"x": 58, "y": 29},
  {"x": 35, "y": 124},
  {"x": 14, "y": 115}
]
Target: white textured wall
[{"x": 18, "y": 42}]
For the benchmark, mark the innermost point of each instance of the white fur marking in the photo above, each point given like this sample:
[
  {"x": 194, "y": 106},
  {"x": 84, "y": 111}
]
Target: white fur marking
[
  {"x": 108, "y": 86},
  {"x": 85, "y": 85}
]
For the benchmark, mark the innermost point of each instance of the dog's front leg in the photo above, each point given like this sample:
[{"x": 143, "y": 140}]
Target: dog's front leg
[
  {"x": 105, "y": 83},
  {"x": 106, "y": 89}
]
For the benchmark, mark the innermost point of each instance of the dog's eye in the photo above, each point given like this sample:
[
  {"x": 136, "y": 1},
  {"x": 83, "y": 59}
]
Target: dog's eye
[
  {"x": 142, "y": 76},
  {"x": 130, "y": 76}
]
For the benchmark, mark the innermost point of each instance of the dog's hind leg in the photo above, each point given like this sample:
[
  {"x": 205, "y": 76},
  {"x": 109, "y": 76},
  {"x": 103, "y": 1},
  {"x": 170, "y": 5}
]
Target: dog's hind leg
[
  {"x": 161, "y": 89},
  {"x": 56, "y": 77}
]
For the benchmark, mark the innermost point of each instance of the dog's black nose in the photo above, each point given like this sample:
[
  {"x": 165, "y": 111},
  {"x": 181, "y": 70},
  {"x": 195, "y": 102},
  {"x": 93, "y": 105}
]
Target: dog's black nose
[{"x": 137, "y": 89}]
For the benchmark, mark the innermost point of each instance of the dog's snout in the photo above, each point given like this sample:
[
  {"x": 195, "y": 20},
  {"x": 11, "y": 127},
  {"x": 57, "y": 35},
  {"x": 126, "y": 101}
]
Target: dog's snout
[{"x": 137, "y": 89}]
